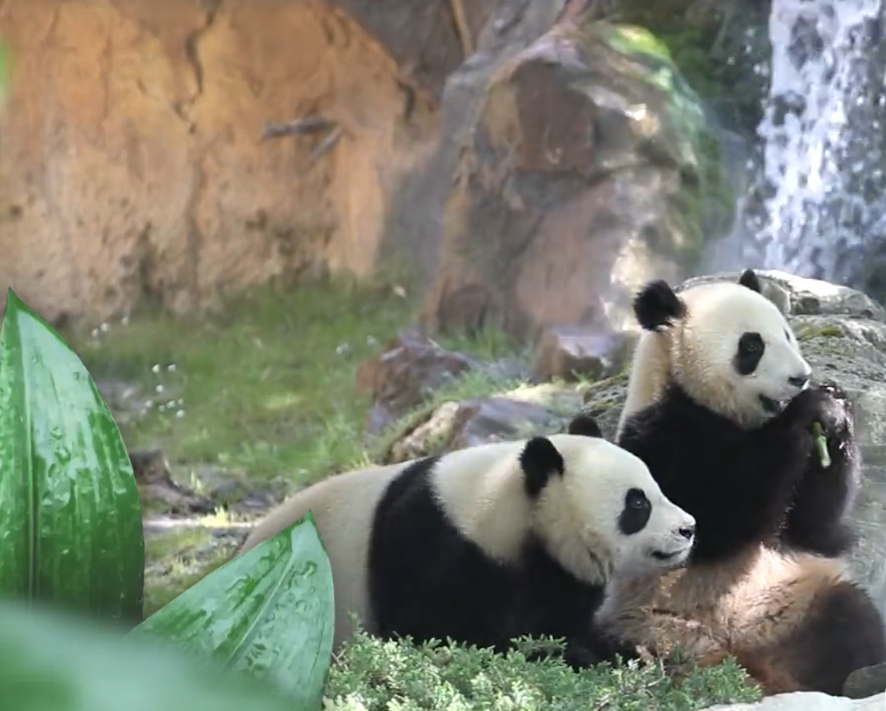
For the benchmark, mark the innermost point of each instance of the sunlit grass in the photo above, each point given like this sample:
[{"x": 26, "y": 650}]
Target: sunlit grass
[
  {"x": 266, "y": 388},
  {"x": 261, "y": 391}
]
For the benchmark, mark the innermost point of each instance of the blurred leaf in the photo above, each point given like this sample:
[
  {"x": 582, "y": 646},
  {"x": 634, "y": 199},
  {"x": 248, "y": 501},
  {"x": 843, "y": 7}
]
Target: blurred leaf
[
  {"x": 70, "y": 517},
  {"x": 269, "y": 611},
  {"x": 55, "y": 662}
]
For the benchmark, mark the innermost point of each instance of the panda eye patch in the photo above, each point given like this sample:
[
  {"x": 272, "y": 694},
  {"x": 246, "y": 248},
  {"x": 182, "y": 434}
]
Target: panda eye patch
[
  {"x": 750, "y": 351},
  {"x": 636, "y": 499},
  {"x": 636, "y": 512}
]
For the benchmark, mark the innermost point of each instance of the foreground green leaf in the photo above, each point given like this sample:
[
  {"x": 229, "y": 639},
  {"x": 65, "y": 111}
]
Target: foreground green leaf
[
  {"x": 70, "y": 517},
  {"x": 54, "y": 662},
  {"x": 269, "y": 611}
]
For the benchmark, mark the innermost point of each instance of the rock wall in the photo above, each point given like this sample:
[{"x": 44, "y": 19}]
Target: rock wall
[
  {"x": 133, "y": 166},
  {"x": 149, "y": 154}
]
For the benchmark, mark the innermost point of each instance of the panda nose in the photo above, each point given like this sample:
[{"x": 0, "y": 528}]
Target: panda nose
[
  {"x": 687, "y": 532},
  {"x": 799, "y": 381}
]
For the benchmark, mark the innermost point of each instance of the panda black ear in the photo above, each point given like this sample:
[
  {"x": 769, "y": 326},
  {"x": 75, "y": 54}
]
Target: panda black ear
[
  {"x": 656, "y": 306},
  {"x": 539, "y": 461},
  {"x": 584, "y": 425},
  {"x": 750, "y": 279}
]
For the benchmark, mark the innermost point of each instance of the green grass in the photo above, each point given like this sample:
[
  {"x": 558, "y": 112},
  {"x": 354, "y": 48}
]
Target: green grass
[
  {"x": 174, "y": 564},
  {"x": 263, "y": 391},
  {"x": 267, "y": 387}
]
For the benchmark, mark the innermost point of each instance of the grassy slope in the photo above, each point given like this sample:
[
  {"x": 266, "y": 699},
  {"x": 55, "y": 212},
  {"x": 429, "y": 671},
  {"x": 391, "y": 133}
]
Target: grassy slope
[
  {"x": 268, "y": 391},
  {"x": 268, "y": 388},
  {"x": 265, "y": 390}
]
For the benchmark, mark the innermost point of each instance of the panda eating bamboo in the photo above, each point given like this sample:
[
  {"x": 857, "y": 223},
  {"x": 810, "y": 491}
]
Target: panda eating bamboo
[{"x": 721, "y": 408}]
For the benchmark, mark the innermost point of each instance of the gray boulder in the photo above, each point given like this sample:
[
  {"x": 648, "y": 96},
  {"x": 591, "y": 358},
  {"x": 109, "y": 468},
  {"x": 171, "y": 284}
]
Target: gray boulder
[{"x": 807, "y": 701}]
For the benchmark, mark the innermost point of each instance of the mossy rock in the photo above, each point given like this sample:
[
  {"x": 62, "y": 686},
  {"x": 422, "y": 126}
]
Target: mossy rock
[
  {"x": 716, "y": 46},
  {"x": 707, "y": 204},
  {"x": 826, "y": 331},
  {"x": 604, "y": 401}
]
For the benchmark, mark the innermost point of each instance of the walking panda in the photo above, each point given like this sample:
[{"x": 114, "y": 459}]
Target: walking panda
[
  {"x": 491, "y": 542},
  {"x": 720, "y": 408}
]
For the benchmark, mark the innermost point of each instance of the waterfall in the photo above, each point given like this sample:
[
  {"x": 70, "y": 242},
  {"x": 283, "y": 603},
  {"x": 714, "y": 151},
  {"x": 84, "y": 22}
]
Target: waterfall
[{"x": 818, "y": 199}]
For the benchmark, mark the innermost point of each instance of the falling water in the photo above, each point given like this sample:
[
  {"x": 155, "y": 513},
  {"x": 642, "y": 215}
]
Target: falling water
[
  {"x": 821, "y": 169},
  {"x": 818, "y": 208}
]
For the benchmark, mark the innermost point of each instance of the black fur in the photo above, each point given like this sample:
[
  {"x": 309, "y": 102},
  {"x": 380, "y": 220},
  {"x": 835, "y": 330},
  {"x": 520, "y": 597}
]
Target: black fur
[
  {"x": 740, "y": 483},
  {"x": 428, "y": 581},
  {"x": 636, "y": 513},
  {"x": 749, "y": 354},
  {"x": 842, "y": 632},
  {"x": 823, "y": 496},
  {"x": 539, "y": 460},
  {"x": 656, "y": 306},
  {"x": 750, "y": 279},
  {"x": 584, "y": 425}
]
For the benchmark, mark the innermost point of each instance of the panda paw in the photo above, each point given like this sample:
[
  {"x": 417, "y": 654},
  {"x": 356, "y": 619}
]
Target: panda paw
[
  {"x": 836, "y": 412},
  {"x": 824, "y": 404},
  {"x": 582, "y": 656}
]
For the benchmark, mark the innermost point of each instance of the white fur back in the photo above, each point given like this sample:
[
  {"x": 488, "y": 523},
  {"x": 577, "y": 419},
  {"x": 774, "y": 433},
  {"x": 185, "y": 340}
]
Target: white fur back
[
  {"x": 649, "y": 375},
  {"x": 483, "y": 490}
]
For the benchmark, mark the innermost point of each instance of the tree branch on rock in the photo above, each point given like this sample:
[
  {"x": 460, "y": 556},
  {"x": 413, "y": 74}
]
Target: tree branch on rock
[
  {"x": 324, "y": 145},
  {"x": 298, "y": 127},
  {"x": 305, "y": 127},
  {"x": 463, "y": 28}
]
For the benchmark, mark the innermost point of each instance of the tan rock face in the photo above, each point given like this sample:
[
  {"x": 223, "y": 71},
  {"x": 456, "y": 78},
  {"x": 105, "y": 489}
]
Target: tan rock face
[
  {"x": 134, "y": 167},
  {"x": 579, "y": 178},
  {"x": 132, "y": 162}
]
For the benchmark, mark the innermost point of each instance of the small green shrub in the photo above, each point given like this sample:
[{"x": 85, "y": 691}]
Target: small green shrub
[{"x": 374, "y": 675}]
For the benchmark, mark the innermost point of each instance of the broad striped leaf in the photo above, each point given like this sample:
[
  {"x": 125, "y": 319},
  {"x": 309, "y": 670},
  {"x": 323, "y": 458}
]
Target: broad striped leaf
[
  {"x": 269, "y": 611},
  {"x": 70, "y": 517}
]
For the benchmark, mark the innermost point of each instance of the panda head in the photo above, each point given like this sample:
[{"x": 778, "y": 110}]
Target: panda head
[
  {"x": 596, "y": 508},
  {"x": 725, "y": 344}
]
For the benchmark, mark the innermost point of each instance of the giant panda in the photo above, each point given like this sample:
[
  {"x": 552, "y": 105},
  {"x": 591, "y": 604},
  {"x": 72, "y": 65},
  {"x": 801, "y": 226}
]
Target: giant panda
[
  {"x": 721, "y": 409},
  {"x": 491, "y": 542}
]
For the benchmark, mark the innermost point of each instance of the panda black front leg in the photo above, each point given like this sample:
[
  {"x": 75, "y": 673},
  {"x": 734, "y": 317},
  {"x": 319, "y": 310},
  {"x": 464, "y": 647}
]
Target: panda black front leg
[
  {"x": 581, "y": 655},
  {"x": 757, "y": 470},
  {"x": 824, "y": 494}
]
